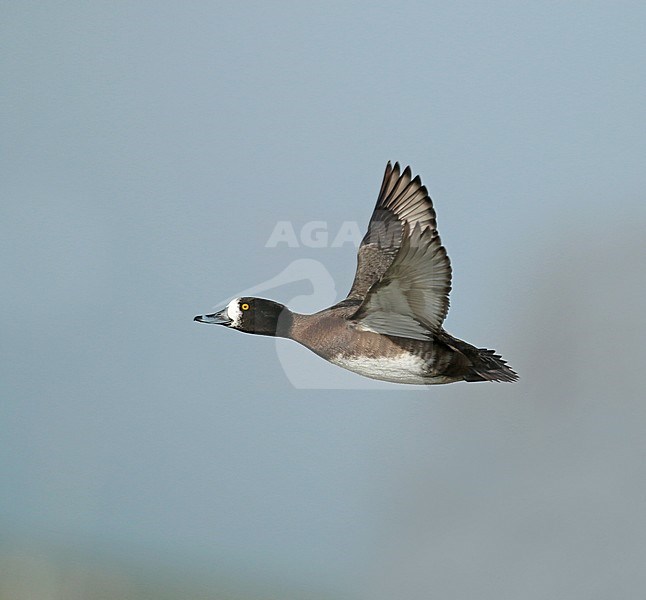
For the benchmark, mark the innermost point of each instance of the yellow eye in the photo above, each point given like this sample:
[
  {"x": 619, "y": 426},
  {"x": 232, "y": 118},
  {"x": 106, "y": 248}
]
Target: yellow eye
[{"x": 244, "y": 306}]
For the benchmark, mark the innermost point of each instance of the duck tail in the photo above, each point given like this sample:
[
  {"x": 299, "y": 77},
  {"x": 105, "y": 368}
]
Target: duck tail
[{"x": 489, "y": 366}]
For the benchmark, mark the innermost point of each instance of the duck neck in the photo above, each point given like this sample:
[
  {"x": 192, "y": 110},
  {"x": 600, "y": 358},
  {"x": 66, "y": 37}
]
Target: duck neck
[
  {"x": 302, "y": 328},
  {"x": 285, "y": 323}
]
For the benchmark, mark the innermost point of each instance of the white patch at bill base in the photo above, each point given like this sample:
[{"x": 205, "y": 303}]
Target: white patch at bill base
[{"x": 234, "y": 312}]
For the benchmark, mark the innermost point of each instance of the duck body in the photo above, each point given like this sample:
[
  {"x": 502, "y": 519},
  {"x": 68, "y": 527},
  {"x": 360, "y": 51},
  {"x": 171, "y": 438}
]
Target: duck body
[
  {"x": 390, "y": 325},
  {"x": 441, "y": 359}
]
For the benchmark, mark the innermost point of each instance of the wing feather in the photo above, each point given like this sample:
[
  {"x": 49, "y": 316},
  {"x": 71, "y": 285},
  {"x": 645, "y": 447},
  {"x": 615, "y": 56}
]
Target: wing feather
[
  {"x": 402, "y": 200},
  {"x": 412, "y": 297}
]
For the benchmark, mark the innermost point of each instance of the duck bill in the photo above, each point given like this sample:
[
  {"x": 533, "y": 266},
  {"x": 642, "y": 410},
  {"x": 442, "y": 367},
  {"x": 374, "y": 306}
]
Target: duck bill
[{"x": 218, "y": 318}]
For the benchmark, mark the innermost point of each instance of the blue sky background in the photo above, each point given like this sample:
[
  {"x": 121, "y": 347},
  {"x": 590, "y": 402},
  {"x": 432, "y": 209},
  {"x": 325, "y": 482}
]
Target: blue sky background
[{"x": 149, "y": 150}]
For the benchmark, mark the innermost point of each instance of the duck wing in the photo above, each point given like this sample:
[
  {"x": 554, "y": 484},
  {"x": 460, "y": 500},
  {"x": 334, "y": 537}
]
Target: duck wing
[
  {"x": 402, "y": 200},
  {"x": 411, "y": 298}
]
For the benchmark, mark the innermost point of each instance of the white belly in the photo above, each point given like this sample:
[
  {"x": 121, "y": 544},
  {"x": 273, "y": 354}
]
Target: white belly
[{"x": 405, "y": 368}]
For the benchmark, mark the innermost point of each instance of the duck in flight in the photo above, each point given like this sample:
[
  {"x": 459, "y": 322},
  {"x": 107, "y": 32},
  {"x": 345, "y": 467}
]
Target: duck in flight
[{"x": 390, "y": 325}]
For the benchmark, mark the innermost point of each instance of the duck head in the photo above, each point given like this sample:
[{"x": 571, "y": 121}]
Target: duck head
[{"x": 252, "y": 315}]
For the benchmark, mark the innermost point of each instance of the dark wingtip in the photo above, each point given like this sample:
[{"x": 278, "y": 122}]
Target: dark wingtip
[{"x": 198, "y": 318}]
